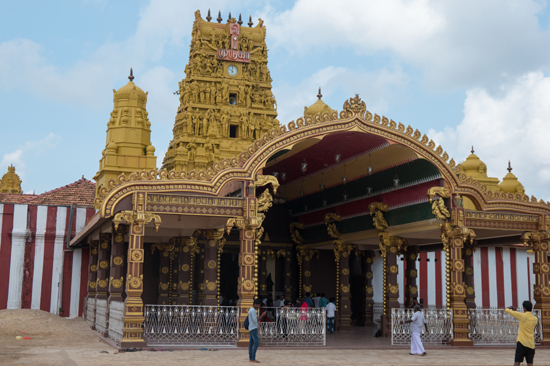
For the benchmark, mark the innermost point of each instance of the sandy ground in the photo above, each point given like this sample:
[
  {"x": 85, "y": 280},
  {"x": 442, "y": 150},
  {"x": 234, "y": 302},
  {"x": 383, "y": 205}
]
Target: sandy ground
[{"x": 60, "y": 341}]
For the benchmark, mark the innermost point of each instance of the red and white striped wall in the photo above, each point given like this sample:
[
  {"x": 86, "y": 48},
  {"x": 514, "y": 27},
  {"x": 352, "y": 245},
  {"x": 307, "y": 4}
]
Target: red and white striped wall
[
  {"x": 36, "y": 268},
  {"x": 503, "y": 276}
]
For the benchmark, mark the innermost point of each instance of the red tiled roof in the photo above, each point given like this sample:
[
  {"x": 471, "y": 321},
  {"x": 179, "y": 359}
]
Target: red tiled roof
[
  {"x": 15, "y": 198},
  {"x": 80, "y": 193}
]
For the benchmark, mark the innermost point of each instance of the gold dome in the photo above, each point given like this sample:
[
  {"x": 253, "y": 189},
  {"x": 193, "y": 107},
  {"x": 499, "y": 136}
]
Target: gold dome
[
  {"x": 318, "y": 107},
  {"x": 474, "y": 167},
  {"x": 510, "y": 183},
  {"x": 130, "y": 93}
]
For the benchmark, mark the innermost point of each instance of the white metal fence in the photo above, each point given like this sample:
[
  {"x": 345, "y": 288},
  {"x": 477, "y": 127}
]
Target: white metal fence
[
  {"x": 294, "y": 327},
  {"x": 439, "y": 321},
  {"x": 494, "y": 326},
  {"x": 191, "y": 325}
]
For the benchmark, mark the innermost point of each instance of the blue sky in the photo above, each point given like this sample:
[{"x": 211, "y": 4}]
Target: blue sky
[{"x": 465, "y": 72}]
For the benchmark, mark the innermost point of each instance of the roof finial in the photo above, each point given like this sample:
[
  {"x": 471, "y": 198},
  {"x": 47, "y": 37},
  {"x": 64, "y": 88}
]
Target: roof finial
[
  {"x": 250, "y": 21},
  {"x": 229, "y": 17},
  {"x": 240, "y": 20},
  {"x": 319, "y": 95},
  {"x": 208, "y": 17},
  {"x": 219, "y": 19},
  {"x": 509, "y": 167},
  {"x": 473, "y": 149},
  {"x": 131, "y": 77}
]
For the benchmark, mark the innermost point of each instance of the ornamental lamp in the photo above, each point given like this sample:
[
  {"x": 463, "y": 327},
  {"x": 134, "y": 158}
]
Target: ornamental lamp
[
  {"x": 396, "y": 181},
  {"x": 321, "y": 187},
  {"x": 458, "y": 200},
  {"x": 369, "y": 190},
  {"x": 344, "y": 179},
  {"x": 369, "y": 170},
  {"x": 275, "y": 174},
  {"x": 303, "y": 165},
  {"x": 337, "y": 158},
  {"x": 283, "y": 176}
]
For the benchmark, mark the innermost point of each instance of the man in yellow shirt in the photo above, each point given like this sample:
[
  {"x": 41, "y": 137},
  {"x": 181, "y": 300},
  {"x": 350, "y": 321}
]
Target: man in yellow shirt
[{"x": 526, "y": 333}]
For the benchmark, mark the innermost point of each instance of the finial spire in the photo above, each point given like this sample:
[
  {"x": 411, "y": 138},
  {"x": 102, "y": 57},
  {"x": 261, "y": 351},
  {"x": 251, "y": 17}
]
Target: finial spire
[
  {"x": 131, "y": 77},
  {"x": 240, "y": 20},
  {"x": 208, "y": 17},
  {"x": 250, "y": 21},
  {"x": 319, "y": 95},
  {"x": 473, "y": 149},
  {"x": 229, "y": 17},
  {"x": 509, "y": 167},
  {"x": 219, "y": 19}
]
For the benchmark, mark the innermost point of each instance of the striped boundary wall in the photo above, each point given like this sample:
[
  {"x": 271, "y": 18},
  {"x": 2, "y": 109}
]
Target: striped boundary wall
[
  {"x": 503, "y": 276},
  {"x": 36, "y": 268}
]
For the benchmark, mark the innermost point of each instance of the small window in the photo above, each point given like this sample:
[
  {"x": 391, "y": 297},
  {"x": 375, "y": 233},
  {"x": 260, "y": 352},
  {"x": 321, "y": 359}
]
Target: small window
[
  {"x": 232, "y": 99},
  {"x": 233, "y": 131}
]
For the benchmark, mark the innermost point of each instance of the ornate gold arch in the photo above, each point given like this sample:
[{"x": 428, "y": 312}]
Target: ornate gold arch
[{"x": 354, "y": 117}]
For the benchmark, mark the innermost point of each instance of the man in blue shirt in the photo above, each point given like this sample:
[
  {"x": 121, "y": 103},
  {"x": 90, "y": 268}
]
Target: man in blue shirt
[
  {"x": 309, "y": 302},
  {"x": 254, "y": 340},
  {"x": 323, "y": 302}
]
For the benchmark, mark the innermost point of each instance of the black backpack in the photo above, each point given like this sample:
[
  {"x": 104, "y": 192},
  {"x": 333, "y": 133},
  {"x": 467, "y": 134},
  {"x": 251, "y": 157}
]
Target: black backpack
[{"x": 246, "y": 323}]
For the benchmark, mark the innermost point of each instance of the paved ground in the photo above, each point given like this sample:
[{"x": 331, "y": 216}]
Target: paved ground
[{"x": 58, "y": 341}]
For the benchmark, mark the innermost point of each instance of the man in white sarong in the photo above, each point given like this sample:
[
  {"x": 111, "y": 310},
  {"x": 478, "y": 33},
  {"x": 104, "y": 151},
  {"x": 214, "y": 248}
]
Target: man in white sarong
[{"x": 417, "y": 321}]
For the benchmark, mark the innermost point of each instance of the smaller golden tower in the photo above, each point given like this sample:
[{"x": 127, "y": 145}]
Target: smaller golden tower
[
  {"x": 128, "y": 146},
  {"x": 10, "y": 182},
  {"x": 318, "y": 107},
  {"x": 510, "y": 183},
  {"x": 477, "y": 169}
]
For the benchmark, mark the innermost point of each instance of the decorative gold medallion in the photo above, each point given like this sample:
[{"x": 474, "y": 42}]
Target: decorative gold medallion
[
  {"x": 394, "y": 269},
  {"x": 185, "y": 267},
  {"x": 307, "y": 288},
  {"x": 164, "y": 286},
  {"x": 369, "y": 290},
  {"x": 248, "y": 259},
  {"x": 248, "y": 285},
  {"x": 394, "y": 289},
  {"x": 104, "y": 245},
  {"x": 119, "y": 238},
  {"x": 307, "y": 273},
  {"x": 546, "y": 291},
  {"x": 459, "y": 265},
  {"x": 470, "y": 290},
  {"x": 93, "y": 267},
  {"x": 102, "y": 283},
  {"x": 369, "y": 275},
  {"x": 413, "y": 273},
  {"x": 345, "y": 289},
  {"x": 185, "y": 248},
  {"x": 469, "y": 271},
  {"x": 94, "y": 251},
  {"x": 135, "y": 282},
  {"x": 165, "y": 270},
  {"x": 468, "y": 251},
  {"x": 345, "y": 271},
  {"x": 211, "y": 286},
  {"x": 545, "y": 268},
  {"x": 136, "y": 255},
  {"x": 184, "y": 286},
  {"x": 103, "y": 264},
  {"x": 117, "y": 261},
  {"x": 117, "y": 282},
  {"x": 413, "y": 290},
  {"x": 459, "y": 289},
  {"x": 212, "y": 264},
  {"x": 165, "y": 253},
  {"x": 92, "y": 285},
  {"x": 412, "y": 256},
  {"x": 393, "y": 249},
  {"x": 369, "y": 260}
]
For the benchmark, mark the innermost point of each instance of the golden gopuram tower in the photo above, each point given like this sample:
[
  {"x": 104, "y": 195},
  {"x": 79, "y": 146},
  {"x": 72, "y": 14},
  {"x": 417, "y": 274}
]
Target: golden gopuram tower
[
  {"x": 128, "y": 147},
  {"x": 10, "y": 182},
  {"x": 225, "y": 99}
]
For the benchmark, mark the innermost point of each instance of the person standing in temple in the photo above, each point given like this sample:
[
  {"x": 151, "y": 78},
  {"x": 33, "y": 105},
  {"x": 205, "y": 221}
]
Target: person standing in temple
[
  {"x": 254, "y": 340},
  {"x": 316, "y": 300},
  {"x": 417, "y": 321},
  {"x": 331, "y": 309},
  {"x": 525, "y": 346},
  {"x": 323, "y": 302},
  {"x": 308, "y": 300}
]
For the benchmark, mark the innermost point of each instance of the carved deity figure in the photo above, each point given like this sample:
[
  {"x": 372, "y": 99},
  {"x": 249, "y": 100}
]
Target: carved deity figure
[
  {"x": 207, "y": 94},
  {"x": 191, "y": 150},
  {"x": 209, "y": 149},
  {"x": 196, "y": 122},
  {"x": 244, "y": 125},
  {"x": 205, "y": 121},
  {"x": 202, "y": 90},
  {"x": 251, "y": 126},
  {"x": 225, "y": 124}
]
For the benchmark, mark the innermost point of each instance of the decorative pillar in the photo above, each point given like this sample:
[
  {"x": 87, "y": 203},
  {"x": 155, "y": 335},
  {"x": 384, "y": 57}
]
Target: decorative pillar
[
  {"x": 200, "y": 275},
  {"x": 411, "y": 288},
  {"x": 368, "y": 260},
  {"x": 164, "y": 276},
  {"x": 287, "y": 279},
  {"x": 468, "y": 255},
  {"x": 341, "y": 256},
  {"x": 211, "y": 264},
  {"x": 305, "y": 256},
  {"x": 133, "y": 304},
  {"x": 92, "y": 283},
  {"x": 390, "y": 246},
  {"x": 185, "y": 274},
  {"x": 263, "y": 274},
  {"x": 102, "y": 294},
  {"x": 539, "y": 242},
  {"x": 246, "y": 289},
  {"x": 453, "y": 237},
  {"x": 116, "y": 289}
]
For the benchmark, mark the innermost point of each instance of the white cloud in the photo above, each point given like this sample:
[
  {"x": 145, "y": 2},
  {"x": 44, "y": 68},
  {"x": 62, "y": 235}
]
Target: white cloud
[
  {"x": 28, "y": 149},
  {"x": 455, "y": 43},
  {"x": 511, "y": 124},
  {"x": 377, "y": 88}
]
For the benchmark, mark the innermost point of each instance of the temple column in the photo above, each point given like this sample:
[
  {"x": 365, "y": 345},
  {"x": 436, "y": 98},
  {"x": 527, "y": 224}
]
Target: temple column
[
  {"x": 287, "y": 279},
  {"x": 246, "y": 289},
  {"x": 411, "y": 288},
  {"x": 468, "y": 255},
  {"x": 453, "y": 237},
  {"x": 263, "y": 274},
  {"x": 116, "y": 288},
  {"x": 211, "y": 281},
  {"x": 185, "y": 273},
  {"x": 305, "y": 256},
  {"x": 164, "y": 276},
  {"x": 92, "y": 283},
  {"x": 368, "y": 259},
  {"x": 102, "y": 295},
  {"x": 341, "y": 253},
  {"x": 200, "y": 275},
  {"x": 539, "y": 241},
  {"x": 389, "y": 248}
]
